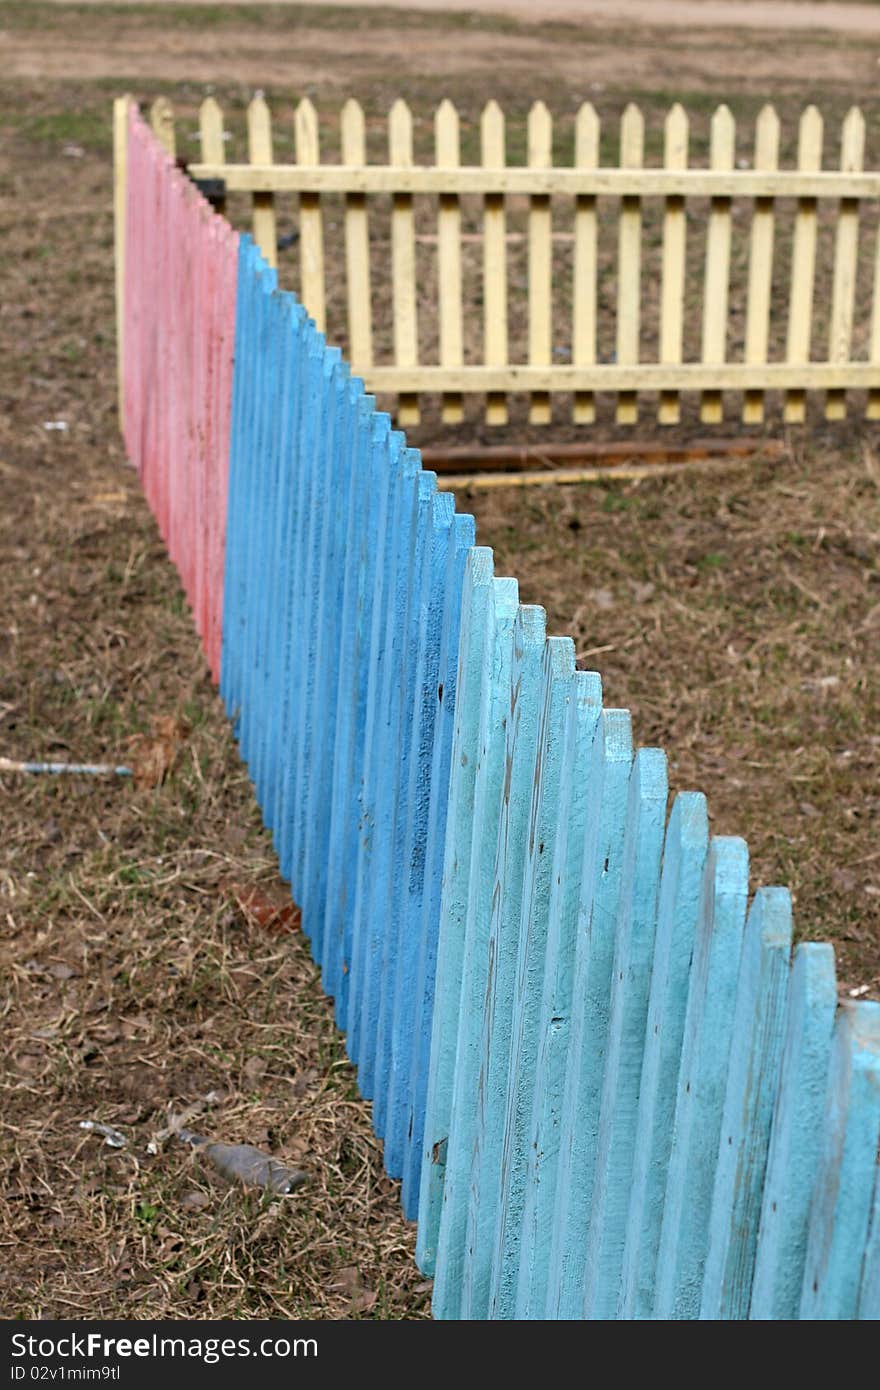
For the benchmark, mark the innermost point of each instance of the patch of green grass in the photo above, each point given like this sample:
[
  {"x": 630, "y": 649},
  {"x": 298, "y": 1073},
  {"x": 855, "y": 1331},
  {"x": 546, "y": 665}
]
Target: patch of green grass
[
  {"x": 22, "y": 15},
  {"x": 146, "y": 1213}
]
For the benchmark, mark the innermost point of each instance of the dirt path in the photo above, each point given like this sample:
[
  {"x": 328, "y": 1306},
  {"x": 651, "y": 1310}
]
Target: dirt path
[
  {"x": 858, "y": 17},
  {"x": 319, "y": 49}
]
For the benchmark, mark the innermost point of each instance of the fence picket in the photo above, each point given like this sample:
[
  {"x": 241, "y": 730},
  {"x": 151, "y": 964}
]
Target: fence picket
[
  {"x": 700, "y": 1095},
  {"x": 760, "y": 262},
  {"x": 456, "y": 1128},
  {"x": 368, "y": 531},
  {"x": 597, "y": 914},
  {"x": 528, "y": 982},
  {"x": 273, "y": 562},
  {"x": 357, "y": 243},
  {"x": 162, "y": 123},
  {"x": 584, "y": 711},
  {"x": 259, "y": 126},
  {"x": 717, "y": 283},
  {"x": 381, "y": 592},
  {"x": 211, "y": 141},
  {"x": 448, "y": 155},
  {"x": 312, "y": 431},
  {"x": 586, "y": 270},
  {"x": 375, "y": 806},
  {"x": 803, "y": 263},
  {"x": 528, "y": 641},
  {"x": 403, "y": 260},
  {"x": 412, "y": 800},
  {"x": 840, "y": 1215},
  {"x": 629, "y": 262},
  {"x": 752, "y": 1080},
  {"x": 466, "y": 771},
  {"x": 313, "y": 464},
  {"x": 540, "y": 155},
  {"x": 495, "y": 347},
  {"x": 675, "y": 156},
  {"x": 795, "y": 1137},
  {"x": 409, "y": 1081},
  {"x": 328, "y": 570},
  {"x": 684, "y": 858},
  {"x": 311, "y": 225},
  {"x": 630, "y": 990},
  {"x": 121, "y": 194},
  {"x": 872, "y": 410},
  {"x": 846, "y": 251}
]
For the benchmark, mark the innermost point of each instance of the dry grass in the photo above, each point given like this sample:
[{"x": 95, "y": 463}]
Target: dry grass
[{"x": 736, "y": 614}]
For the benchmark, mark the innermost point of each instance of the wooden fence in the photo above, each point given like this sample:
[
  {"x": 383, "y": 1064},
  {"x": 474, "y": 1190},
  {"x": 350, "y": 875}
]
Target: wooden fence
[
  {"x": 537, "y": 277},
  {"x": 606, "y": 1084}
]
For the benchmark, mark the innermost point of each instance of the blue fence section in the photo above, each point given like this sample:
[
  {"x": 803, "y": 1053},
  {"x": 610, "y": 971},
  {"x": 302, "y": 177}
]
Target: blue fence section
[
  {"x": 344, "y": 572},
  {"x": 606, "y": 1088}
]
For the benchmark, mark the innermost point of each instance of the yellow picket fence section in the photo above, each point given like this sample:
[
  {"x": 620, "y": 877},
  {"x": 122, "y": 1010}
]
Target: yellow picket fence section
[{"x": 651, "y": 277}]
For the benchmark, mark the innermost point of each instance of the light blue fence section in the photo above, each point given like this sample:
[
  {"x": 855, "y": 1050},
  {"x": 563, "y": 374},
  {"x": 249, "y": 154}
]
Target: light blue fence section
[{"x": 607, "y": 1091}]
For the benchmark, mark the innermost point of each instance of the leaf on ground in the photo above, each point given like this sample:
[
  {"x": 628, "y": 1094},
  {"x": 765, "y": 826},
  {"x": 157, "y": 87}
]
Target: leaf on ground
[
  {"x": 348, "y": 1281},
  {"x": 195, "y": 1201},
  {"x": 153, "y": 755},
  {"x": 265, "y": 908}
]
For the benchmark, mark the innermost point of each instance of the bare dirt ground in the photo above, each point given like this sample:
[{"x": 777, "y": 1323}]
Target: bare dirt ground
[
  {"x": 790, "y": 15},
  {"x": 737, "y": 615}
]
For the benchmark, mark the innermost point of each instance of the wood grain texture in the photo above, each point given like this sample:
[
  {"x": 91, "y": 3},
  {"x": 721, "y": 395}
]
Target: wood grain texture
[
  {"x": 311, "y": 221},
  {"x": 843, "y": 1195},
  {"x": 357, "y": 244},
  {"x": 760, "y": 262},
  {"x": 495, "y": 342},
  {"x": 447, "y": 149},
  {"x": 752, "y": 1080},
  {"x": 684, "y": 1234},
  {"x": 684, "y": 857},
  {"x": 846, "y": 250},
  {"x": 803, "y": 262},
  {"x": 675, "y": 156},
  {"x": 403, "y": 261},
  {"x": 796, "y": 1135},
  {"x": 586, "y": 269},
  {"x": 717, "y": 282}
]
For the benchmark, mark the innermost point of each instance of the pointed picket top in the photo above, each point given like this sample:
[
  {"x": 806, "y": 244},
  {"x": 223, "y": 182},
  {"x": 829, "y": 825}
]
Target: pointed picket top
[
  {"x": 632, "y": 137},
  {"x": 259, "y": 126},
  {"x": 723, "y": 139},
  {"x": 852, "y": 145},
  {"x": 162, "y": 123},
  {"x": 810, "y": 133},
  {"x": 446, "y": 134},
  {"x": 492, "y": 134},
  {"x": 353, "y": 133},
  {"x": 211, "y": 131},
  {"x": 306, "y": 131},
  {"x": 586, "y": 137},
  {"x": 400, "y": 133},
  {"x": 676, "y": 133},
  {"x": 540, "y": 136},
  {"x": 767, "y": 138}
]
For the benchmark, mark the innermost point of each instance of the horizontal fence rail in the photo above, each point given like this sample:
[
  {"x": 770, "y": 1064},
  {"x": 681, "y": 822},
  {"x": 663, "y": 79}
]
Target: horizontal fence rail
[
  {"x": 536, "y": 276},
  {"x": 608, "y": 1085}
]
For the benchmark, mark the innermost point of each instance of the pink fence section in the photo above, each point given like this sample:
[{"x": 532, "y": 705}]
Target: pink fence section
[{"x": 181, "y": 269}]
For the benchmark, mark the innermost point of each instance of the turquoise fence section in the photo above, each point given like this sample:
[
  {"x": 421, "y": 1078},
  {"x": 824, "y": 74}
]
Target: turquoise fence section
[{"x": 608, "y": 1088}]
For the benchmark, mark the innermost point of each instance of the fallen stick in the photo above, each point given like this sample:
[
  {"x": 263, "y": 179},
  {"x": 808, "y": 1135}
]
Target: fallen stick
[
  {"x": 89, "y": 769},
  {"x": 459, "y": 481},
  {"x": 595, "y": 459}
]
